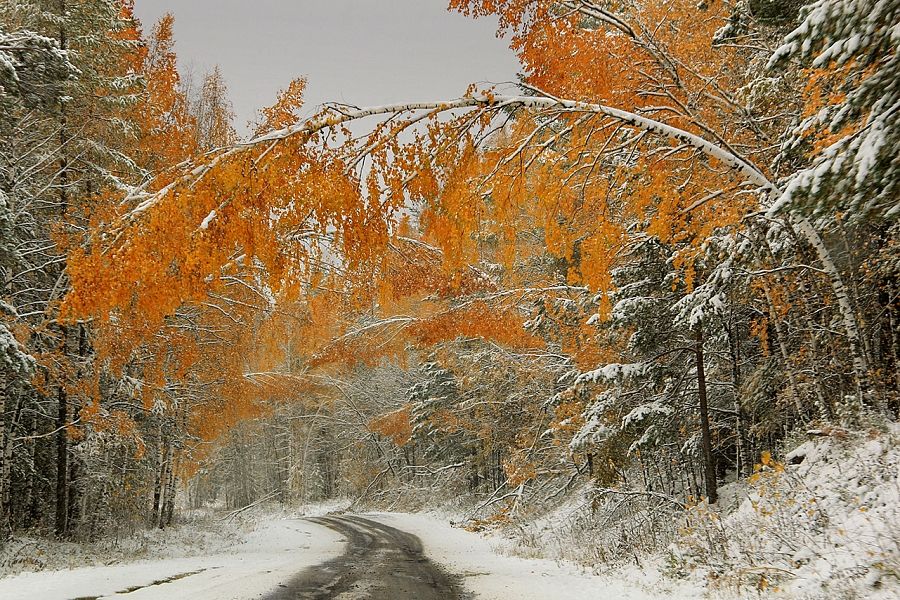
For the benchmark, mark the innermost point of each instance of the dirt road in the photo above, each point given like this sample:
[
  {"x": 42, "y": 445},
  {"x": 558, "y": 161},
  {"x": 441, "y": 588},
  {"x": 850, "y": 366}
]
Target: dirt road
[{"x": 381, "y": 563}]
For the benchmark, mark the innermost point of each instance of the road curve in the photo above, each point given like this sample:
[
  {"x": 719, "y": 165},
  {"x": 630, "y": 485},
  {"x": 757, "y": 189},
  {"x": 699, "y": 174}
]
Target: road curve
[{"x": 381, "y": 563}]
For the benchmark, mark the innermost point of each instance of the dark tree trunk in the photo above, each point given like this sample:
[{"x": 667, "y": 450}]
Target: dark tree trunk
[
  {"x": 73, "y": 513},
  {"x": 63, "y": 131},
  {"x": 708, "y": 464},
  {"x": 62, "y": 463},
  {"x": 895, "y": 338},
  {"x": 29, "y": 496},
  {"x": 6, "y": 452},
  {"x": 740, "y": 450},
  {"x": 4, "y": 465},
  {"x": 62, "y": 442},
  {"x": 76, "y": 518}
]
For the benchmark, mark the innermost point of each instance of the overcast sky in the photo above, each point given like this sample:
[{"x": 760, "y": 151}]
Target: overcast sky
[{"x": 362, "y": 52}]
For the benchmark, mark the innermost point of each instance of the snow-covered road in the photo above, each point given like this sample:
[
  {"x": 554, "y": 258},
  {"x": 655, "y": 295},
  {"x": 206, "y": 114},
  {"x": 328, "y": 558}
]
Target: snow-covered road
[{"x": 277, "y": 551}]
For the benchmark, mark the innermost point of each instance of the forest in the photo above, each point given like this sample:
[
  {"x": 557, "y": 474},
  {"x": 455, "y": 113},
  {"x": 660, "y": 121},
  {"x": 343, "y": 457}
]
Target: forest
[{"x": 653, "y": 271}]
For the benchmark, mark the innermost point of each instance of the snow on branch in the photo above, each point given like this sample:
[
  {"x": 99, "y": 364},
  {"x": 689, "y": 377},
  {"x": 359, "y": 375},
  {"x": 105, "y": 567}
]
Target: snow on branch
[{"x": 334, "y": 116}]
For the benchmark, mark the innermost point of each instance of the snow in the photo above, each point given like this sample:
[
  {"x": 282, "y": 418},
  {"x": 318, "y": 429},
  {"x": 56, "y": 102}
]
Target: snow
[
  {"x": 643, "y": 411},
  {"x": 209, "y": 218},
  {"x": 271, "y": 555},
  {"x": 279, "y": 549},
  {"x": 611, "y": 372},
  {"x": 800, "y": 452},
  {"x": 490, "y": 575},
  {"x": 824, "y": 524}
]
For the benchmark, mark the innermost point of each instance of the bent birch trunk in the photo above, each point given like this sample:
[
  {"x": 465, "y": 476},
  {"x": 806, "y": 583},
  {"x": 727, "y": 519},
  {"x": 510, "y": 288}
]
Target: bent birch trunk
[{"x": 485, "y": 102}]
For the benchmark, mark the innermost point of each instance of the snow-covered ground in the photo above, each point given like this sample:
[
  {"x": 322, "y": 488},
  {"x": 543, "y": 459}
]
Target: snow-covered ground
[
  {"x": 270, "y": 556},
  {"x": 824, "y": 525},
  {"x": 279, "y": 549},
  {"x": 492, "y": 576}
]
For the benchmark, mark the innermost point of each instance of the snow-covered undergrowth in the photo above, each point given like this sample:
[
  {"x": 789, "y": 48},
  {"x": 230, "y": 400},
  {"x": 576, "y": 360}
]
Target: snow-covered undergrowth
[
  {"x": 489, "y": 575},
  {"x": 195, "y": 533},
  {"x": 597, "y": 527},
  {"x": 825, "y": 523},
  {"x": 273, "y": 511}
]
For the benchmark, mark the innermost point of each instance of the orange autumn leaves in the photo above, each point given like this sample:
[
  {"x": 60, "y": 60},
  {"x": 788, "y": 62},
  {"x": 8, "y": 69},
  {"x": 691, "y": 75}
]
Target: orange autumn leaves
[
  {"x": 594, "y": 186},
  {"x": 395, "y": 426},
  {"x": 317, "y": 225},
  {"x": 176, "y": 299}
]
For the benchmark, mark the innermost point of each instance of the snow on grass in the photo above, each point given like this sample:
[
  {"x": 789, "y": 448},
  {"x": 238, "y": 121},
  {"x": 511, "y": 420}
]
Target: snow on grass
[
  {"x": 317, "y": 509},
  {"x": 195, "y": 533},
  {"x": 826, "y": 524},
  {"x": 490, "y": 575},
  {"x": 268, "y": 556}
]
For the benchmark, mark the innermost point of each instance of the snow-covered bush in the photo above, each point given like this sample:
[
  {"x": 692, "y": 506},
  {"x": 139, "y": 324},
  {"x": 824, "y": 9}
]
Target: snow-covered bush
[{"x": 824, "y": 524}]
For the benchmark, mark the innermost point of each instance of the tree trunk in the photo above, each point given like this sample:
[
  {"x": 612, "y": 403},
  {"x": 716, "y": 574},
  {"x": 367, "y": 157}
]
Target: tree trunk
[
  {"x": 76, "y": 517},
  {"x": 73, "y": 516},
  {"x": 160, "y": 484},
  {"x": 708, "y": 465},
  {"x": 895, "y": 335},
  {"x": 62, "y": 442},
  {"x": 62, "y": 458},
  {"x": 736, "y": 380},
  {"x": 6, "y": 452},
  {"x": 848, "y": 317},
  {"x": 29, "y": 497},
  {"x": 854, "y": 283},
  {"x": 821, "y": 395},
  {"x": 785, "y": 352},
  {"x": 4, "y": 462},
  {"x": 63, "y": 131},
  {"x": 169, "y": 496}
]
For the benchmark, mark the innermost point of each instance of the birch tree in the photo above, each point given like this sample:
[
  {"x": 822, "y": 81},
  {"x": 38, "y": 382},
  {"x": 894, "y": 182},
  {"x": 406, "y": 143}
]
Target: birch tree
[{"x": 491, "y": 242}]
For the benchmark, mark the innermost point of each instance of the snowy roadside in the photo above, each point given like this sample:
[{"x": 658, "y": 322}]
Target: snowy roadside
[
  {"x": 269, "y": 557},
  {"x": 280, "y": 548},
  {"x": 492, "y": 576},
  {"x": 825, "y": 524},
  {"x": 197, "y": 533}
]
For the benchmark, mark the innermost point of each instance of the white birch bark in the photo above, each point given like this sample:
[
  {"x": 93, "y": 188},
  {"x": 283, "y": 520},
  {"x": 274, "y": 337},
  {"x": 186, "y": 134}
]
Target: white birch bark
[
  {"x": 484, "y": 102},
  {"x": 851, "y": 328}
]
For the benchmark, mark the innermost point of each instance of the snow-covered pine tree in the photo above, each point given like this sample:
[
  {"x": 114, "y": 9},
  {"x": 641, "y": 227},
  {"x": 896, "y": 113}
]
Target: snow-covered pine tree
[
  {"x": 851, "y": 129},
  {"x": 68, "y": 78}
]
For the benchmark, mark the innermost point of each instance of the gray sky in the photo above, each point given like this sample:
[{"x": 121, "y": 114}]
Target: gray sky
[{"x": 362, "y": 52}]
